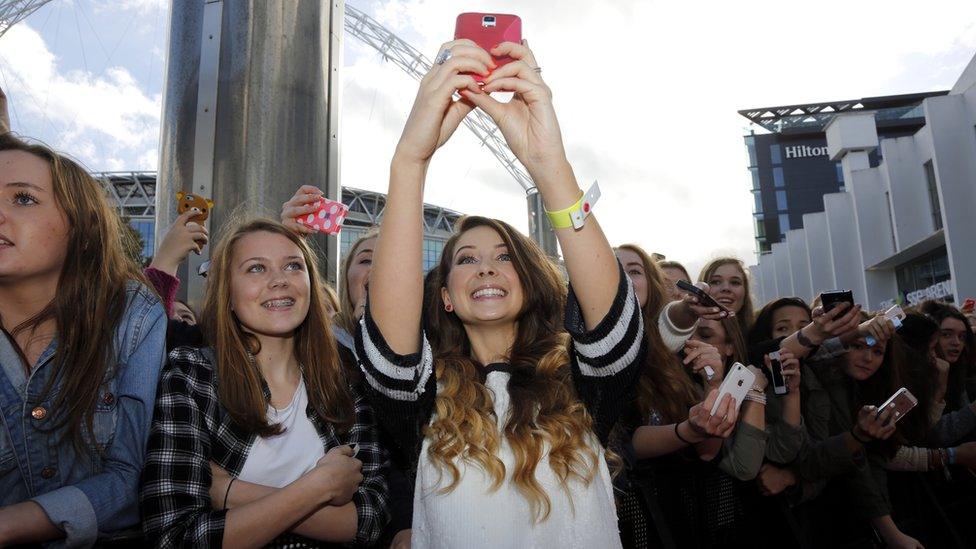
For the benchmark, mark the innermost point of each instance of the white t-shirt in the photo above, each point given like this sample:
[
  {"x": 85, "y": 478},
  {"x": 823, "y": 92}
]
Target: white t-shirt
[
  {"x": 474, "y": 516},
  {"x": 279, "y": 460}
]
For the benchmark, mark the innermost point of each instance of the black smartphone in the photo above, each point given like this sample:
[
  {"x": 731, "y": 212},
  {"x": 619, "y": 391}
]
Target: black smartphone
[
  {"x": 833, "y": 298},
  {"x": 776, "y": 374},
  {"x": 702, "y": 295}
]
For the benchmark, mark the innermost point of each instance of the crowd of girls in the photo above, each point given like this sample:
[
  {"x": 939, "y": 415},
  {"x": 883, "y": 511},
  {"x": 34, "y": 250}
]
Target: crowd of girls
[{"x": 496, "y": 402}]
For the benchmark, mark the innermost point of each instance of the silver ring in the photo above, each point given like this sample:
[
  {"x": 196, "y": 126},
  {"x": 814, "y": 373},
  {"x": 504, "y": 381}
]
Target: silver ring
[{"x": 443, "y": 56}]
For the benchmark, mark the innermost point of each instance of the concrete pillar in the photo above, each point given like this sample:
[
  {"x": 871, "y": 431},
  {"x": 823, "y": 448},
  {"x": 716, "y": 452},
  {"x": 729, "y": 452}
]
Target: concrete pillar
[
  {"x": 784, "y": 279},
  {"x": 250, "y": 111},
  {"x": 819, "y": 253},
  {"x": 953, "y": 127},
  {"x": 796, "y": 241}
]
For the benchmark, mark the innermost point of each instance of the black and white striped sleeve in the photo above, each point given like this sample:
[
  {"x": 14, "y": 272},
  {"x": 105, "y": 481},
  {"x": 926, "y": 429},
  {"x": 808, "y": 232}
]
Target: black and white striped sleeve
[
  {"x": 607, "y": 359},
  {"x": 400, "y": 388}
]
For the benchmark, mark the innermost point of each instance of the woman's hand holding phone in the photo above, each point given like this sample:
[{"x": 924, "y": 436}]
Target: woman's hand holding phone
[
  {"x": 874, "y": 426},
  {"x": 719, "y": 425},
  {"x": 840, "y": 321},
  {"x": 695, "y": 307},
  {"x": 435, "y": 114},
  {"x": 791, "y": 372},
  {"x": 700, "y": 355},
  {"x": 528, "y": 122}
]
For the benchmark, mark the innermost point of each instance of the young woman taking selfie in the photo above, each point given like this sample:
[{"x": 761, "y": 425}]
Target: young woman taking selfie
[{"x": 505, "y": 404}]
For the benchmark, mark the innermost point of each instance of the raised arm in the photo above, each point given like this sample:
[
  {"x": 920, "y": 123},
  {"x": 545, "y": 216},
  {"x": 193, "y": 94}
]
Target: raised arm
[
  {"x": 396, "y": 279},
  {"x": 528, "y": 123}
]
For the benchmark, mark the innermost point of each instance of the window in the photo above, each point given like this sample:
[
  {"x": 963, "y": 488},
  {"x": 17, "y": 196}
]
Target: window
[
  {"x": 775, "y": 153},
  {"x": 146, "y": 230},
  {"x": 432, "y": 253},
  {"x": 751, "y": 147},
  {"x": 755, "y": 178},
  {"x": 784, "y": 223},
  {"x": 347, "y": 236},
  {"x": 840, "y": 173},
  {"x": 760, "y": 228},
  {"x": 934, "y": 201},
  {"x": 781, "y": 200},
  {"x": 758, "y": 198},
  {"x": 779, "y": 180}
]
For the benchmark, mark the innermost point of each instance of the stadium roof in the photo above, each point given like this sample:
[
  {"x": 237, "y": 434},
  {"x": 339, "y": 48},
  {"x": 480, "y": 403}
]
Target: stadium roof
[{"x": 891, "y": 110}]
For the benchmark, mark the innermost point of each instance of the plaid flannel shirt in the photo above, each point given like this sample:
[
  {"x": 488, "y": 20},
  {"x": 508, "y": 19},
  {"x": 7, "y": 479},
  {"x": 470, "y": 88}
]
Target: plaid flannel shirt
[{"x": 190, "y": 429}]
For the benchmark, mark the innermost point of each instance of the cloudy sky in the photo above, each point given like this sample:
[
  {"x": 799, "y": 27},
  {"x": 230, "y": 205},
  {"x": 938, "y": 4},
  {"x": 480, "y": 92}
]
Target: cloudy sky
[{"x": 646, "y": 92}]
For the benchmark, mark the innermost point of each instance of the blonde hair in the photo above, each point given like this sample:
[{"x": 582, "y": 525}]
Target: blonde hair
[{"x": 547, "y": 417}]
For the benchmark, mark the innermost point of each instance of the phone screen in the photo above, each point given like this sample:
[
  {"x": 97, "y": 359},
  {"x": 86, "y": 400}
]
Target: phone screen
[
  {"x": 835, "y": 298},
  {"x": 776, "y": 371}
]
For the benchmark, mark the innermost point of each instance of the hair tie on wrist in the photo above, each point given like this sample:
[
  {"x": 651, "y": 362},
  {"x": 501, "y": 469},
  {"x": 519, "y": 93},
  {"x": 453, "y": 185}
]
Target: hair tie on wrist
[{"x": 227, "y": 493}]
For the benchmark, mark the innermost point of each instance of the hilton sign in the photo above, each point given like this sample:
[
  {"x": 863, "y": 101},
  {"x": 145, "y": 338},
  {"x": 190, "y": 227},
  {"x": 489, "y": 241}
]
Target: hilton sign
[{"x": 804, "y": 151}]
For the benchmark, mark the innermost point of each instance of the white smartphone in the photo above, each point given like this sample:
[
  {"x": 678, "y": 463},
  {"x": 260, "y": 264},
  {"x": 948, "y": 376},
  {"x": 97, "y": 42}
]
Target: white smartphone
[
  {"x": 736, "y": 383},
  {"x": 901, "y": 403}
]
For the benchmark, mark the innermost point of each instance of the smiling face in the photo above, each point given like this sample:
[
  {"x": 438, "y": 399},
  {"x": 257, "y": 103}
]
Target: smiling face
[
  {"x": 727, "y": 286},
  {"x": 34, "y": 232},
  {"x": 634, "y": 268},
  {"x": 788, "y": 320},
  {"x": 861, "y": 361},
  {"x": 952, "y": 339},
  {"x": 269, "y": 284},
  {"x": 483, "y": 285}
]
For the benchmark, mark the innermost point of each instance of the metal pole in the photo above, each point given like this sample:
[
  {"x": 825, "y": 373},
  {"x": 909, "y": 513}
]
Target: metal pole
[
  {"x": 270, "y": 70},
  {"x": 539, "y": 228}
]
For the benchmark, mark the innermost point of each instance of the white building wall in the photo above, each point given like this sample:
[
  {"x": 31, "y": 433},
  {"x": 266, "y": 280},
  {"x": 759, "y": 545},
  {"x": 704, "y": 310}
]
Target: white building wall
[
  {"x": 819, "y": 255},
  {"x": 905, "y": 181},
  {"x": 755, "y": 285},
  {"x": 953, "y": 127},
  {"x": 768, "y": 268},
  {"x": 875, "y": 236},
  {"x": 844, "y": 249},
  {"x": 784, "y": 279},
  {"x": 796, "y": 241}
]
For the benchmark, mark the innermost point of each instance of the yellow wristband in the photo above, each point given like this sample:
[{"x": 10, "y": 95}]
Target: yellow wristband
[
  {"x": 575, "y": 215},
  {"x": 561, "y": 219}
]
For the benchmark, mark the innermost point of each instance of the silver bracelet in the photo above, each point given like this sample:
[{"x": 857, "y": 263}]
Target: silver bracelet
[{"x": 757, "y": 397}]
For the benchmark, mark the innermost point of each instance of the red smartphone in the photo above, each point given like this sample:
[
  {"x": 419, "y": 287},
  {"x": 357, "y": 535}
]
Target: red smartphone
[{"x": 488, "y": 30}]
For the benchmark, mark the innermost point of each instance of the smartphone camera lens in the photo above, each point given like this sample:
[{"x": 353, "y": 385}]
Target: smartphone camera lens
[{"x": 488, "y": 21}]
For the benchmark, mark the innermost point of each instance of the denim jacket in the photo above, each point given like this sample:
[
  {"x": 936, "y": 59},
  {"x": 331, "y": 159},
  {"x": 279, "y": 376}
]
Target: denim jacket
[{"x": 96, "y": 493}]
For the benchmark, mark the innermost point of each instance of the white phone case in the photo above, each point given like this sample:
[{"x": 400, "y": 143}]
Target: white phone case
[{"x": 737, "y": 383}]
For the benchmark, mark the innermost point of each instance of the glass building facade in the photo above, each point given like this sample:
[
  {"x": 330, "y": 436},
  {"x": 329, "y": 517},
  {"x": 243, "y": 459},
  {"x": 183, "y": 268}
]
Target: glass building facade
[{"x": 789, "y": 165}]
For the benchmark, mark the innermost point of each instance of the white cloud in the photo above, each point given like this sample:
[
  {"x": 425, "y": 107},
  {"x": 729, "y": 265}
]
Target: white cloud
[
  {"x": 647, "y": 94},
  {"x": 107, "y": 121}
]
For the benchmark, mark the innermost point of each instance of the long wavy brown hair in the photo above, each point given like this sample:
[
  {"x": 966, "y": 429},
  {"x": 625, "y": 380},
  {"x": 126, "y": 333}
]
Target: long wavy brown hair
[
  {"x": 346, "y": 317},
  {"x": 90, "y": 300},
  {"x": 240, "y": 385},
  {"x": 746, "y": 315},
  {"x": 546, "y": 414},
  {"x": 663, "y": 385}
]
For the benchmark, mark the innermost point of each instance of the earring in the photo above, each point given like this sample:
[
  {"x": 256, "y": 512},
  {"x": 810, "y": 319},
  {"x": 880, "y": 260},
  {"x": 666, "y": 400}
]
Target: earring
[{"x": 449, "y": 308}]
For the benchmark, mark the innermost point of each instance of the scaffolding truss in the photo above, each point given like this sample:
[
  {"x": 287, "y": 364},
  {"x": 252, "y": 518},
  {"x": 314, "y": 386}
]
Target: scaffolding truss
[{"x": 15, "y": 11}]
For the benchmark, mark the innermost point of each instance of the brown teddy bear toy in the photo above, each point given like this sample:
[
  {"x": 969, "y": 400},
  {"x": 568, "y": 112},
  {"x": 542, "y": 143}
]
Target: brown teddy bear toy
[{"x": 196, "y": 203}]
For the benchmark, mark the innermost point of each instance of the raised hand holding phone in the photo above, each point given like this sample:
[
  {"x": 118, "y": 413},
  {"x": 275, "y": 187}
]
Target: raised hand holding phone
[
  {"x": 528, "y": 122},
  {"x": 435, "y": 114}
]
